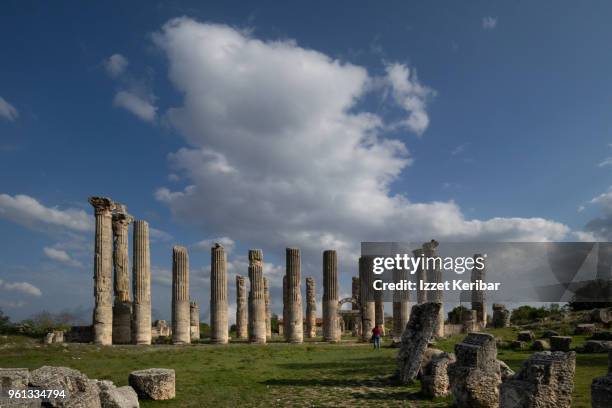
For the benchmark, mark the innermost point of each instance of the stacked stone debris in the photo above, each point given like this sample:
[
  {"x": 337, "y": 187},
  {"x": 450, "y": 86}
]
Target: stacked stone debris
[{"x": 601, "y": 388}]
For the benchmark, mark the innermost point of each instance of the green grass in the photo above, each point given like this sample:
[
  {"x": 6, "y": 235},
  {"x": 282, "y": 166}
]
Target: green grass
[{"x": 277, "y": 374}]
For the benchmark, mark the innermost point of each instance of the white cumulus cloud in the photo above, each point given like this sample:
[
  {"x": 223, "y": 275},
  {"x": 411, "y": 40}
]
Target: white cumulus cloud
[
  {"x": 28, "y": 211},
  {"x": 115, "y": 65},
  {"x": 136, "y": 104},
  {"x": 8, "y": 111},
  {"x": 59, "y": 255},
  {"x": 22, "y": 287},
  {"x": 279, "y": 154},
  {"x": 489, "y": 23}
]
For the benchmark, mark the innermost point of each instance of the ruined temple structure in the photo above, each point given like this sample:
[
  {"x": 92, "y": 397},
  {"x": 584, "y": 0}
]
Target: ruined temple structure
[
  {"x": 241, "y": 308},
  {"x": 294, "y": 330},
  {"x": 366, "y": 297},
  {"x": 311, "y": 308},
  {"x": 434, "y": 274},
  {"x": 180, "y": 296},
  {"x": 331, "y": 329},
  {"x": 501, "y": 316},
  {"x": 379, "y": 312},
  {"x": 355, "y": 291},
  {"x": 401, "y": 307},
  {"x": 218, "y": 295},
  {"x": 103, "y": 270},
  {"x": 257, "y": 302},
  {"x": 122, "y": 306},
  {"x": 478, "y": 296},
  {"x": 141, "y": 285},
  {"x": 194, "y": 321},
  {"x": 420, "y": 276}
]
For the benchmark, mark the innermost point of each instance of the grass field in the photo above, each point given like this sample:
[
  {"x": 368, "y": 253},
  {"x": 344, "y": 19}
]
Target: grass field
[{"x": 277, "y": 374}]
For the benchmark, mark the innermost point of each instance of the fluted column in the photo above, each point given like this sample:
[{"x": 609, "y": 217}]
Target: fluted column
[
  {"x": 141, "y": 284},
  {"x": 285, "y": 309},
  {"x": 401, "y": 307},
  {"x": 194, "y": 321},
  {"x": 122, "y": 307},
  {"x": 311, "y": 308},
  {"x": 366, "y": 297},
  {"x": 331, "y": 327},
  {"x": 478, "y": 296},
  {"x": 379, "y": 313},
  {"x": 420, "y": 276},
  {"x": 295, "y": 328},
  {"x": 257, "y": 301},
  {"x": 103, "y": 271},
  {"x": 180, "y": 296},
  {"x": 218, "y": 296},
  {"x": 434, "y": 274},
  {"x": 356, "y": 332},
  {"x": 268, "y": 311},
  {"x": 241, "y": 308}
]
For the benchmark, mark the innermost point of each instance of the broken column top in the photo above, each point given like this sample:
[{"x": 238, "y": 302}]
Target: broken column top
[
  {"x": 102, "y": 203},
  {"x": 255, "y": 255},
  {"x": 477, "y": 350},
  {"x": 431, "y": 245}
]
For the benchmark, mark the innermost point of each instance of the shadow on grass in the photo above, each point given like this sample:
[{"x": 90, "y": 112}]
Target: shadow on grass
[{"x": 401, "y": 396}]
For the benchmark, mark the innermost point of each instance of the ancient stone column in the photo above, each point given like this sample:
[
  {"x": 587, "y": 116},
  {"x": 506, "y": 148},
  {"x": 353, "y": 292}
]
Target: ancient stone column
[
  {"x": 218, "y": 295},
  {"x": 379, "y": 312},
  {"x": 268, "y": 311},
  {"x": 311, "y": 308},
  {"x": 194, "y": 321},
  {"x": 180, "y": 296},
  {"x": 401, "y": 307},
  {"x": 478, "y": 296},
  {"x": 241, "y": 308},
  {"x": 294, "y": 325},
  {"x": 141, "y": 284},
  {"x": 103, "y": 271},
  {"x": 331, "y": 329},
  {"x": 434, "y": 274},
  {"x": 356, "y": 332},
  {"x": 257, "y": 301},
  {"x": 366, "y": 297},
  {"x": 122, "y": 307},
  {"x": 420, "y": 276},
  {"x": 285, "y": 309}
]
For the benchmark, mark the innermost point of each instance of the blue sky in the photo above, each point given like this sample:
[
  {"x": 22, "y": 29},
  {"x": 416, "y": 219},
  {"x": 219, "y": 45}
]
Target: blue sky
[{"x": 313, "y": 125}]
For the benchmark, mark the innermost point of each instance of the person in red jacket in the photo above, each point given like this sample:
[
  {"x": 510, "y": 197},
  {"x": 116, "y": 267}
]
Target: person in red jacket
[{"x": 376, "y": 333}]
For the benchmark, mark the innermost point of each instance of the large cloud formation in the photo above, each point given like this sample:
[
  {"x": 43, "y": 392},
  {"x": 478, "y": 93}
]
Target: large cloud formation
[{"x": 280, "y": 153}]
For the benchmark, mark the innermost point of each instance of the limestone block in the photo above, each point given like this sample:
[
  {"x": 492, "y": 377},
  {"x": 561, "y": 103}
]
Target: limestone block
[
  {"x": 560, "y": 343},
  {"x": 80, "y": 391},
  {"x": 117, "y": 397},
  {"x": 525, "y": 335},
  {"x": 434, "y": 381},
  {"x": 154, "y": 383}
]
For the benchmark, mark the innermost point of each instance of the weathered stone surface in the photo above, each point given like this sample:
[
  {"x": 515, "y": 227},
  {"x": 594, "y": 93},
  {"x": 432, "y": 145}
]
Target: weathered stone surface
[
  {"x": 560, "y": 343},
  {"x": 434, "y": 380},
  {"x": 428, "y": 355},
  {"x": 596, "y": 346},
  {"x": 180, "y": 296},
  {"x": 586, "y": 328},
  {"x": 476, "y": 375},
  {"x": 541, "y": 345},
  {"x": 117, "y": 397},
  {"x": 122, "y": 307},
  {"x": 241, "y": 308},
  {"x": 194, "y": 321},
  {"x": 501, "y": 316},
  {"x": 603, "y": 315},
  {"x": 141, "y": 284},
  {"x": 154, "y": 383},
  {"x": 601, "y": 388},
  {"x": 415, "y": 338},
  {"x": 311, "y": 308},
  {"x": 421, "y": 275},
  {"x": 401, "y": 305},
  {"x": 268, "y": 309},
  {"x": 379, "y": 314},
  {"x": 478, "y": 296},
  {"x": 6, "y": 402},
  {"x": 161, "y": 329},
  {"x": 525, "y": 335},
  {"x": 219, "y": 328},
  {"x": 103, "y": 270},
  {"x": 257, "y": 301},
  {"x": 13, "y": 379},
  {"x": 546, "y": 379},
  {"x": 366, "y": 297},
  {"x": 434, "y": 274},
  {"x": 331, "y": 329},
  {"x": 518, "y": 345},
  {"x": 549, "y": 333},
  {"x": 48, "y": 338},
  {"x": 81, "y": 392},
  {"x": 505, "y": 370},
  {"x": 356, "y": 292},
  {"x": 294, "y": 321}
]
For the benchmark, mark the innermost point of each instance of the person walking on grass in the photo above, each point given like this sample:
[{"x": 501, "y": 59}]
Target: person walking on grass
[{"x": 376, "y": 333}]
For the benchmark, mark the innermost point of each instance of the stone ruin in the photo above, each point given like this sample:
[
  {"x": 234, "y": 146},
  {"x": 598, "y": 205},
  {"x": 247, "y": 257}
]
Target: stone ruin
[
  {"x": 194, "y": 321},
  {"x": 601, "y": 388},
  {"x": 501, "y": 316},
  {"x": 219, "y": 330},
  {"x": 415, "y": 338},
  {"x": 257, "y": 301},
  {"x": 311, "y": 308},
  {"x": 161, "y": 329},
  {"x": 476, "y": 375},
  {"x": 56, "y": 336},
  {"x": 331, "y": 327},
  {"x": 434, "y": 375},
  {"x": 294, "y": 328},
  {"x": 560, "y": 343},
  {"x": 546, "y": 379}
]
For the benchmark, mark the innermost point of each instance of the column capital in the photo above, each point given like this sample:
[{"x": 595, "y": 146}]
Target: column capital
[
  {"x": 121, "y": 219},
  {"x": 102, "y": 205}
]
